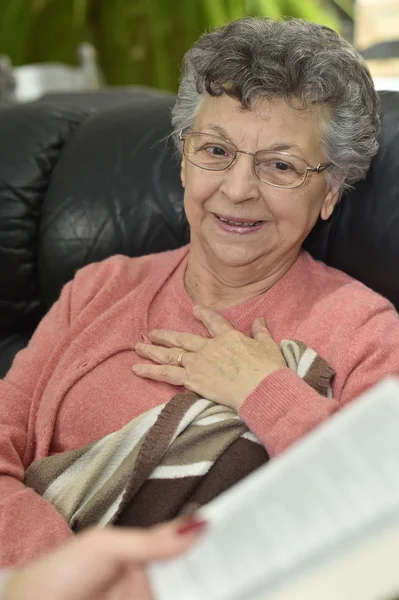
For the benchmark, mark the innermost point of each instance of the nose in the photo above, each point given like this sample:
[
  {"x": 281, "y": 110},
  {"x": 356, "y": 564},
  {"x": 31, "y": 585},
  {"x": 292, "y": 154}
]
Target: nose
[{"x": 239, "y": 182}]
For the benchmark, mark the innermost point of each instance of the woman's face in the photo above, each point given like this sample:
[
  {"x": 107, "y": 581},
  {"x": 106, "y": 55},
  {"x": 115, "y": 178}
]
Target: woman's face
[{"x": 286, "y": 215}]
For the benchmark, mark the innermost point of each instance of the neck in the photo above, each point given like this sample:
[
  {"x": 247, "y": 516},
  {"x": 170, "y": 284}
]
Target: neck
[{"x": 212, "y": 283}]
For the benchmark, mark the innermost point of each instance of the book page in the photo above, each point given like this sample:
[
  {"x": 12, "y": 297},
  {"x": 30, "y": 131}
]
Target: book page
[
  {"x": 337, "y": 486},
  {"x": 369, "y": 571}
]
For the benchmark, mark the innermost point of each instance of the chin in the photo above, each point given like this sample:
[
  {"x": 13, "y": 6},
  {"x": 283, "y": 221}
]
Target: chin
[{"x": 235, "y": 255}]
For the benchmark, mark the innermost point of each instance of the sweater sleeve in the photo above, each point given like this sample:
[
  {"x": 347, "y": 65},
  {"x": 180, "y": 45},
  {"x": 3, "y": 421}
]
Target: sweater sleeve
[
  {"x": 28, "y": 523},
  {"x": 283, "y": 408}
]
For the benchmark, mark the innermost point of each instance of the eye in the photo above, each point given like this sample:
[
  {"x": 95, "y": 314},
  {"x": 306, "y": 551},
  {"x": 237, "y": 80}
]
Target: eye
[
  {"x": 276, "y": 164},
  {"x": 215, "y": 150},
  {"x": 282, "y": 166}
]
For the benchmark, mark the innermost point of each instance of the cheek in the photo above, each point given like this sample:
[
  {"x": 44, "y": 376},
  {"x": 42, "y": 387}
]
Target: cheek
[
  {"x": 198, "y": 191},
  {"x": 293, "y": 212},
  {"x": 304, "y": 217}
]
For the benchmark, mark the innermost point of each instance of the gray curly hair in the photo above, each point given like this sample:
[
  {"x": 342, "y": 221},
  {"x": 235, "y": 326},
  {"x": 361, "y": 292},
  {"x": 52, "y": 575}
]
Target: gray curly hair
[{"x": 254, "y": 58}]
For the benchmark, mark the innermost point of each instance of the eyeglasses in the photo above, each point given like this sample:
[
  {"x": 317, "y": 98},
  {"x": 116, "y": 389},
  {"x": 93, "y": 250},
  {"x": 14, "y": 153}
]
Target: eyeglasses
[{"x": 279, "y": 169}]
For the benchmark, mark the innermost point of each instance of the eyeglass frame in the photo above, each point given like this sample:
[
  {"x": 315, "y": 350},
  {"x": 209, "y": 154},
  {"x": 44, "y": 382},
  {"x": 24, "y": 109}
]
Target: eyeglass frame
[{"x": 318, "y": 169}]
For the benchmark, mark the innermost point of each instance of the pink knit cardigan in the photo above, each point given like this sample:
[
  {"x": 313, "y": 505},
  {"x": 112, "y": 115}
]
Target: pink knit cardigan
[{"x": 74, "y": 383}]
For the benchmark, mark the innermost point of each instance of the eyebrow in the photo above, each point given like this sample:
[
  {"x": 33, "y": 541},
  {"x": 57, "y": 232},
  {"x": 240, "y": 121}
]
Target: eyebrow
[
  {"x": 218, "y": 129},
  {"x": 276, "y": 147},
  {"x": 283, "y": 147}
]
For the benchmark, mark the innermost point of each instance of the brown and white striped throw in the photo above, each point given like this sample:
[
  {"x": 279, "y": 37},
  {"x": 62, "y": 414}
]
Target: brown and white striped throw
[{"x": 167, "y": 462}]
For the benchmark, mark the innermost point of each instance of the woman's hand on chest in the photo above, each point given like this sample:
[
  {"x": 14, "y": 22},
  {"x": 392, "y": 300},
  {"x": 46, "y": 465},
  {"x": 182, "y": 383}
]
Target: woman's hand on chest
[{"x": 225, "y": 368}]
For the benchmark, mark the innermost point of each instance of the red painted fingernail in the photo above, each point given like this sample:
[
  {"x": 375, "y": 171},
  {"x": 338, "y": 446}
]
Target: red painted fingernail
[{"x": 191, "y": 526}]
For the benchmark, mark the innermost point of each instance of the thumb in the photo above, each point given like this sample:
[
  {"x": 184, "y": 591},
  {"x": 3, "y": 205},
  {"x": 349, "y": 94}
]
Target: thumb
[{"x": 259, "y": 330}]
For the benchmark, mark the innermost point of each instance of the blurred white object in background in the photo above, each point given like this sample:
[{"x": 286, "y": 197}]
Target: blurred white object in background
[
  {"x": 377, "y": 38},
  {"x": 29, "y": 82},
  {"x": 376, "y": 21},
  {"x": 386, "y": 83}
]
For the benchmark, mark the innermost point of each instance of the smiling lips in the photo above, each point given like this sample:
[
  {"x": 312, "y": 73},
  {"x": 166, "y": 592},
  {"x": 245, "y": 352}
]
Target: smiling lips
[
  {"x": 238, "y": 222},
  {"x": 234, "y": 225}
]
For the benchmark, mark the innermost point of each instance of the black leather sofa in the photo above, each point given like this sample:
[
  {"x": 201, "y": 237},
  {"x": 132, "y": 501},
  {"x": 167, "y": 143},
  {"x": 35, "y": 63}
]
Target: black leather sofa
[{"x": 86, "y": 176}]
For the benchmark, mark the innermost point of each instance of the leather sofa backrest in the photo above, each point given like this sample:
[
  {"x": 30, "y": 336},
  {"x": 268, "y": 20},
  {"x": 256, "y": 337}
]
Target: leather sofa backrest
[
  {"x": 32, "y": 138},
  {"x": 115, "y": 189}
]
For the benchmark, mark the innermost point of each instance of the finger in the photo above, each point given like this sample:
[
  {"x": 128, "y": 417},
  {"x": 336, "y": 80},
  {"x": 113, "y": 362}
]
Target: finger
[
  {"x": 177, "y": 339},
  {"x": 143, "y": 545},
  {"x": 213, "y": 321},
  {"x": 177, "y": 535},
  {"x": 158, "y": 354},
  {"x": 165, "y": 373},
  {"x": 259, "y": 330}
]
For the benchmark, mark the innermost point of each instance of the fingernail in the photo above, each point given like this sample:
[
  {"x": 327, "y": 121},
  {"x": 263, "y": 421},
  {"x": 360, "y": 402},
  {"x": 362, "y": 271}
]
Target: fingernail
[{"x": 191, "y": 526}]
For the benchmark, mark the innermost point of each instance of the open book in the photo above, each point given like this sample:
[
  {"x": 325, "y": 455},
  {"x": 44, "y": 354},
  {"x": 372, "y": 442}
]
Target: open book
[{"x": 319, "y": 522}]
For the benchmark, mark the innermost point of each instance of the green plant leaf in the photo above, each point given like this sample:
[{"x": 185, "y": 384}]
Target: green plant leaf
[
  {"x": 236, "y": 9},
  {"x": 268, "y": 8},
  {"x": 15, "y": 24},
  {"x": 121, "y": 49},
  {"x": 216, "y": 13},
  {"x": 312, "y": 11},
  {"x": 347, "y": 6},
  {"x": 137, "y": 41},
  {"x": 79, "y": 12}
]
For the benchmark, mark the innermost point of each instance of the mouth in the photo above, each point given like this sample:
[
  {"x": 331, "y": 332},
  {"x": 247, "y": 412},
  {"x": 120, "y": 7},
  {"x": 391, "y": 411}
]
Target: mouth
[{"x": 236, "y": 225}]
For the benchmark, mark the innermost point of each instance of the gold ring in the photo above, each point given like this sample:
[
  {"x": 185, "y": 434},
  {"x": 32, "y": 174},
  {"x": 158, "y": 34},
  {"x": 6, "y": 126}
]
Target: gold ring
[{"x": 180, "y": 358}]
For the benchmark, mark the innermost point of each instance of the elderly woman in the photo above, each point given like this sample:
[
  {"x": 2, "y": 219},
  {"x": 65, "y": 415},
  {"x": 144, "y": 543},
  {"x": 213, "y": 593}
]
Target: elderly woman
[{"x": 274, "y": 119}]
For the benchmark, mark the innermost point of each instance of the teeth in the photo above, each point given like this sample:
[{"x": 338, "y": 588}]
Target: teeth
[{"x": 238, "y": 223}]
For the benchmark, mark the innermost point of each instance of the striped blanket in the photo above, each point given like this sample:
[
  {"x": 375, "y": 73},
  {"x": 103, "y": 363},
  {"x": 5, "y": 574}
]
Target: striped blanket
[{"x": 167, "y": 462}]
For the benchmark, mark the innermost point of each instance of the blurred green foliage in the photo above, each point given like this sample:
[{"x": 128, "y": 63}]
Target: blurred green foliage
[{"x": 137, "y": 41}]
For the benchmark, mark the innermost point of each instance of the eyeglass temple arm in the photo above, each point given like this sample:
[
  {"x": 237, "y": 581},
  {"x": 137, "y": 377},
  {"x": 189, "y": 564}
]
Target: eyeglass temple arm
[{"x": 320, "y": 168}]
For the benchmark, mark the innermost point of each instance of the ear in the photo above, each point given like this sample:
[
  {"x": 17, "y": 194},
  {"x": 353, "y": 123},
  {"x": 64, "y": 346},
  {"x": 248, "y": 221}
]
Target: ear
[
  {"x": 183, "y": 173},
  {"x": 330, "y": 200}
]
